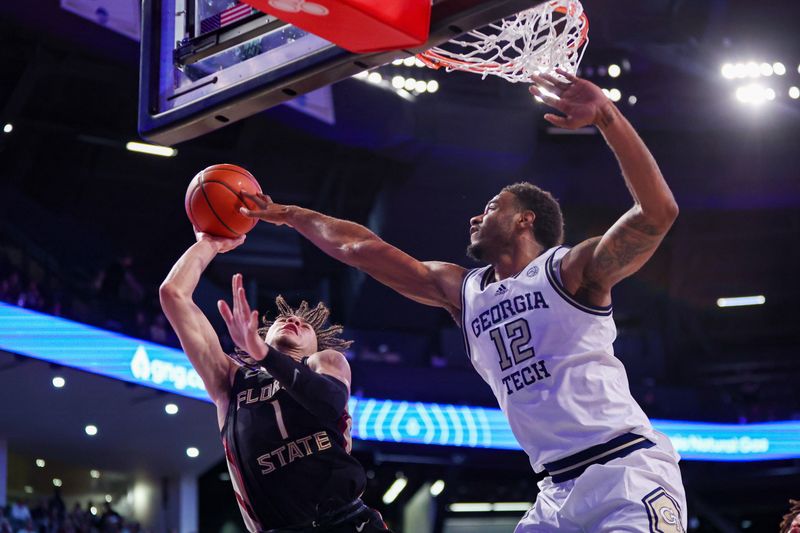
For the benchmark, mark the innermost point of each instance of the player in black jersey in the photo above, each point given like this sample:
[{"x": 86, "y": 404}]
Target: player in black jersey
[{"x": 281, "y": 404}]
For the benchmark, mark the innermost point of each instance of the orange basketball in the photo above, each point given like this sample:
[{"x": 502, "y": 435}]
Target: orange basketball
[{"x": 214, "y": 197}]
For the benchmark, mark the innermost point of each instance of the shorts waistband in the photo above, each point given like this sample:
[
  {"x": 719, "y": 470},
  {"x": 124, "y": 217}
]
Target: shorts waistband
[{"x": 574, "y": 465}]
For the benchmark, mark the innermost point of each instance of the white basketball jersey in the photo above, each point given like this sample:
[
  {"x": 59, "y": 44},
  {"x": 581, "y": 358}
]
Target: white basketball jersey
[{"x": 549, "y": 360}]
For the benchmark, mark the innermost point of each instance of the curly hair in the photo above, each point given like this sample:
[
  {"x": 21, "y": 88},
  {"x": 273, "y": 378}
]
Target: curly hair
[
  {"x": 328, "y": 336},
  {"x": 548, "y": 228},
  {"x": 794, "y": 510}
]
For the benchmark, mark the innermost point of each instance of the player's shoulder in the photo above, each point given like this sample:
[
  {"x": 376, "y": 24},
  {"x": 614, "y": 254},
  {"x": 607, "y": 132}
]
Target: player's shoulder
[{"x": 328, "y": 358}]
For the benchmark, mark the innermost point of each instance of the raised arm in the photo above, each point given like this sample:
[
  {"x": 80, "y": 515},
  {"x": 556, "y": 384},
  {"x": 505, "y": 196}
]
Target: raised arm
[
  {"x": 597, "y": 264},
  {"x": 432, "y": 282},
  {"x": 198, "y": 338}
]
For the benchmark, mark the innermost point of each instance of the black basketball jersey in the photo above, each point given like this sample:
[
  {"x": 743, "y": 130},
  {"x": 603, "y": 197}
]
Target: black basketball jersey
[{"x": 287, "y": 466}]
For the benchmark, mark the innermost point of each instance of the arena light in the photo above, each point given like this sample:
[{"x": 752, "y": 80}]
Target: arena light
[
  {"x": 394, "y": 490},
  {"x": 794, "y": 92},
  {"x": 753, "y": 69},
  {"x": 361, "y": 75},
  {"x": 765, "y": 69},
  {"x": 28, "y": 489},
  {"x": 171, "y": 409},
  {"x": 511, "y": 506},
  {"x": 59, "y": 382},
  {"x": 8, "y": 127},
  {"x": 93, "y": 510},
  {"x": 728, "y": 71},
  {"x": 40, "y": 463},
  {"x": 108, "y": 498},
  {"x": 374, "y": 77},
  {"x": 470, "y": 507},
  {"x": 57, "y": 482},
  {"x": 151, "y": 149},
  {"x": 632, "y": 100},
  {"x": 754, "y": 94},
  {"x": 398, "y": 82},
  {"x": 91, "y": 430},
  {"x": 615, "y": 95},
  {"x": 614, "y": 71},
  {"x": 410, "y": 61},
  {"x": 779, "y": 68},
  {"x": 421, "y": 86},
  {"x": 437, "y": 487},
  {"x": 397, "y": 62},
  {"x": 192, "y": 452},
  {"x": 409, "y": 84},
  {"x": 94, "y": 474},
  {"x": 741, "y": 301},
  {"x": 433, "y": 86},
  {"x": 405, "y": 95}
]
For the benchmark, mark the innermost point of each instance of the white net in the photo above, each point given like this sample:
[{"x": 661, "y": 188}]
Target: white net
[{"x": 549, "y": 36}]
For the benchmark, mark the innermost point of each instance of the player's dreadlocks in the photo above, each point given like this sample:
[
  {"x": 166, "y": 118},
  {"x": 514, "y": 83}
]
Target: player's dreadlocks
[
  {"x": 794, "y": 510},
  {"x": 327, "y": 336}
]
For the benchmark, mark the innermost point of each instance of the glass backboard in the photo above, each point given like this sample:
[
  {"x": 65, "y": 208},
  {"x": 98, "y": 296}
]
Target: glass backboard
[{"x": 208, "y": 63}]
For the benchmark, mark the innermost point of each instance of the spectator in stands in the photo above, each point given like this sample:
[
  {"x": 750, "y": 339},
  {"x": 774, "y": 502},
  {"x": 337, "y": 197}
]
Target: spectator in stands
[
  {"x": 27, "y": 527},
  {"x": 19, "y": 515}
]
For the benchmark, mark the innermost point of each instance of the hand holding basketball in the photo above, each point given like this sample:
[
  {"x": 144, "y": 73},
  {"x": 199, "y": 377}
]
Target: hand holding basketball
[
  {"x": 214, "y": 197},
  {"x": 581, "y": 101},
  {"x": 220, "y": 244},
  {"x": 266, "y": 209}
]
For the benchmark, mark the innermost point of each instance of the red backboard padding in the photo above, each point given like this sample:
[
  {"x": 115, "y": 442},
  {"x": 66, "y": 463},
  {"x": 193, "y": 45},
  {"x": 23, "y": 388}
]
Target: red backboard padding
[{"x": 360, "y": 26}]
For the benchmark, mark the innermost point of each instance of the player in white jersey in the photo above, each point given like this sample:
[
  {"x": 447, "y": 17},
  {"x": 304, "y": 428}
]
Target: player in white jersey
[{"x": 538, "y": 327}]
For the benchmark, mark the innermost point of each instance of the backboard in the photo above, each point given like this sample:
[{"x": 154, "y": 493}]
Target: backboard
[{"x": 208, "y": 63}]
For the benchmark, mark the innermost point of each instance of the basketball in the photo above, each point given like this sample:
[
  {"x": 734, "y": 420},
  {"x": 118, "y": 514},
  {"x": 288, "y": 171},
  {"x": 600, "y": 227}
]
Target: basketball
[{"x": 214, "y": 197}]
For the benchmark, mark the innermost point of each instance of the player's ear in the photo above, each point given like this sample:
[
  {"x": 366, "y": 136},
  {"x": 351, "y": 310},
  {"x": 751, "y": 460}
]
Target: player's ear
[{"x": 526, "y": 219}]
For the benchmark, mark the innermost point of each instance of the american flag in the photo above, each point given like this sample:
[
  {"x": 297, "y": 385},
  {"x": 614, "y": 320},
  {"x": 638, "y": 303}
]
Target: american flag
[{"x": 225, "y": 17}]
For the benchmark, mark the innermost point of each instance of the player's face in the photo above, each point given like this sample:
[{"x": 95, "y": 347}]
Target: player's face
[
  {"x": 795, "y": 525},
  {"x": 292, "y": 332},
  {"x": 490, "y": 232}
]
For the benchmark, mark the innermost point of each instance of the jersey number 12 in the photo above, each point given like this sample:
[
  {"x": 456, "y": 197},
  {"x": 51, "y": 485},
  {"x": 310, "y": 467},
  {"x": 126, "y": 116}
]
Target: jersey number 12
[{"x": 519, "y": 333}]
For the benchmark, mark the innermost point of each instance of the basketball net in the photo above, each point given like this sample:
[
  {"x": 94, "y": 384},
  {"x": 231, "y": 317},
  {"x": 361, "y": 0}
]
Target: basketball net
[{"x": 539, "y": 40}]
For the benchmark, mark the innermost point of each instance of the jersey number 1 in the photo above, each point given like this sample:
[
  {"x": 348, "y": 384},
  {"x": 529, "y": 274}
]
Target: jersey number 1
[{"x": 519, "y": 333}]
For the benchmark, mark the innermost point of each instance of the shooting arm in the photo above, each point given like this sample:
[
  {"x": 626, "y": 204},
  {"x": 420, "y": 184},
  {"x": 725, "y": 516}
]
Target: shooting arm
[{"x": 197, "y": 336}]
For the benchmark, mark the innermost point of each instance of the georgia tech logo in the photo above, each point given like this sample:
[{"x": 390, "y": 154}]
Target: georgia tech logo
[
  {"x": 296, "y": 6},
  {"x": 663, "y": 512}
]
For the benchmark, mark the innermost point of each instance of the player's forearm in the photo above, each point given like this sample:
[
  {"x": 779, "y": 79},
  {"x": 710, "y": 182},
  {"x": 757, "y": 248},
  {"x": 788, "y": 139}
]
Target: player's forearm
[
  {"x": 185, "y": 274},
  {"x": 642, "y": 175},
  {"x": 322, "y": 395},
  {"x": 336, "y": 237}
]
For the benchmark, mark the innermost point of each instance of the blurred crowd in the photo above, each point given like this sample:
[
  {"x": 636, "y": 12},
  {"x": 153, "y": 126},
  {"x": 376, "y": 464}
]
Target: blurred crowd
[
  {"x": 113, "y": 298},
  {"x": 52, "y": 516}
]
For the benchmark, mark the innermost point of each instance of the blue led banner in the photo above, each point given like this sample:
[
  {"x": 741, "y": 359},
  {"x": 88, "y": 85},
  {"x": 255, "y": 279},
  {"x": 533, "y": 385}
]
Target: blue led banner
[
  {"x": 110, "y": 354},
  {"x": 99, "y": 351}
]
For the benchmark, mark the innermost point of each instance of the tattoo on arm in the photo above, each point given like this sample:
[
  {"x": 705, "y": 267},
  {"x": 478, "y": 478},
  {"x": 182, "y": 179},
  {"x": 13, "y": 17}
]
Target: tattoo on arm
[{"x": 627, "y": 242}]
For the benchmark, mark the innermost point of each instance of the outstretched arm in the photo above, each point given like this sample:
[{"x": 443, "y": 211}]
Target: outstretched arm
[
  {"x": 197, "y": 336},
  {"x": 432, "y": 283},
  {"x": 598, "y": 264}
]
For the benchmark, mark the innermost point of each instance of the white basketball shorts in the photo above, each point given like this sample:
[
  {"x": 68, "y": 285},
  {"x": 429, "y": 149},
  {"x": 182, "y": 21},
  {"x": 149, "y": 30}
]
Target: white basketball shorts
[{"x": 641, "y": 492}]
